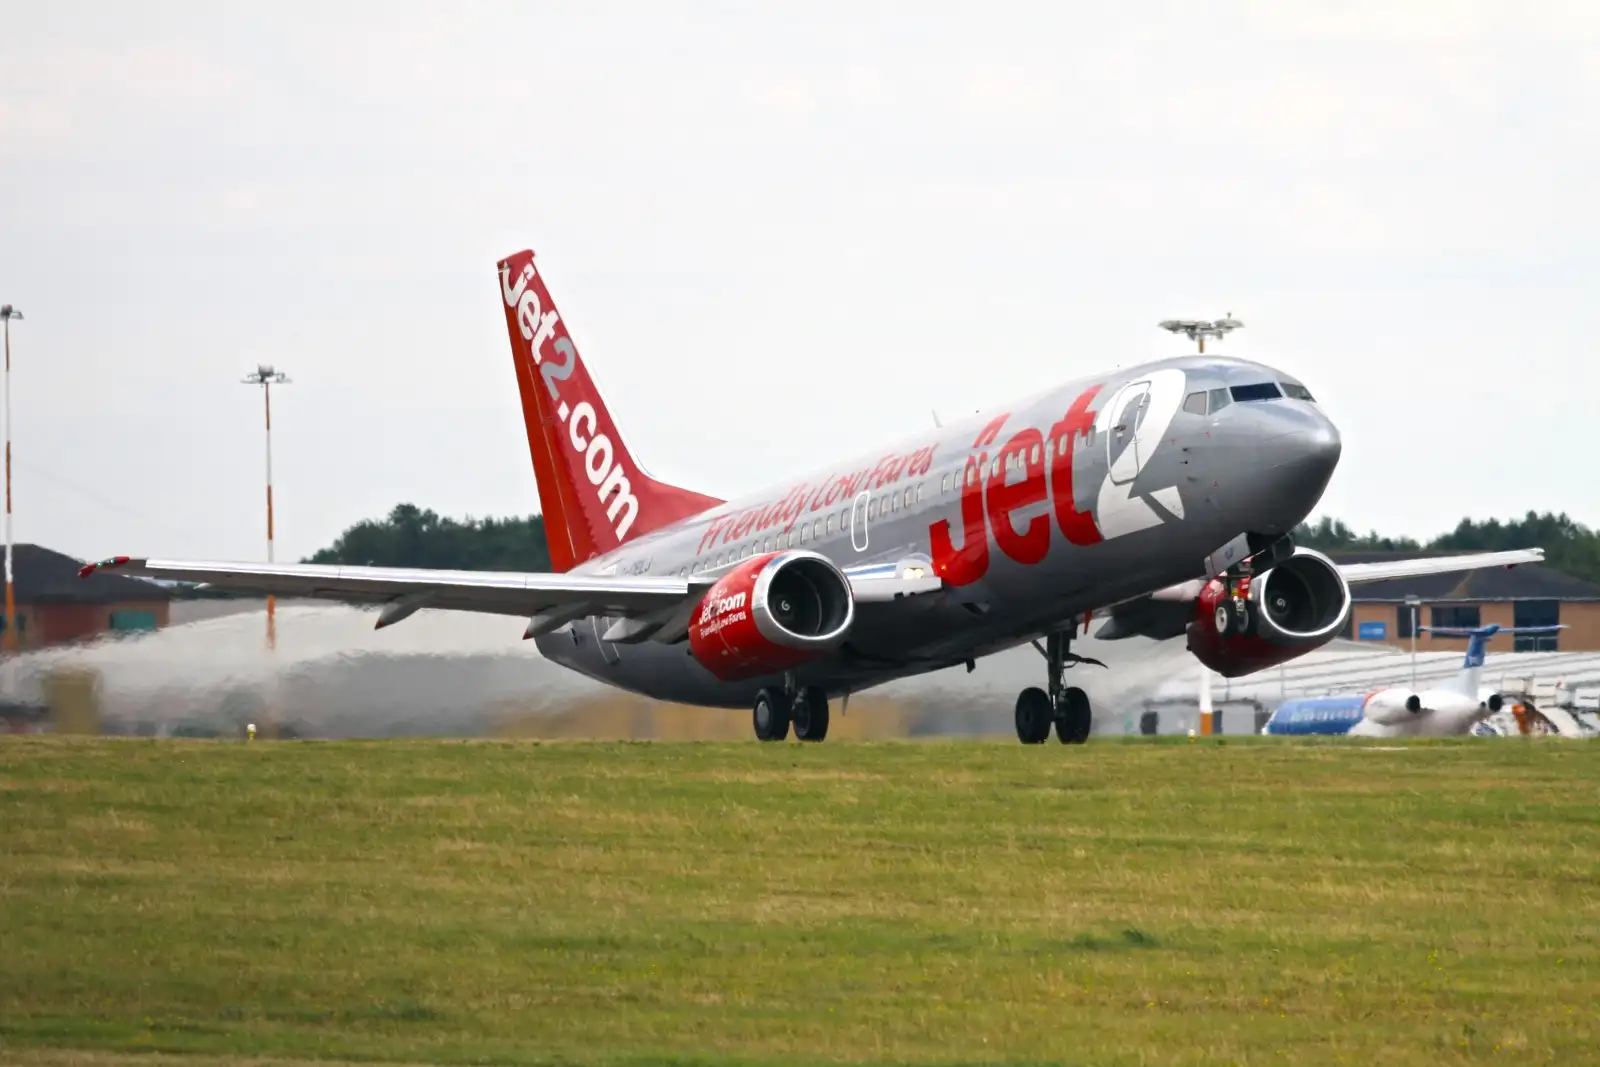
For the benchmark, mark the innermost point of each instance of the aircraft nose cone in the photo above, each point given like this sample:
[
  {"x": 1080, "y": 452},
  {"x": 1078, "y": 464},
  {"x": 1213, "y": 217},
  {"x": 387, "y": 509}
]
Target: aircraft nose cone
[
  {"x": 1276, "y": 466},
  {"x": 1312, "y": 449},
  {"x": 1300, "y": 461}
]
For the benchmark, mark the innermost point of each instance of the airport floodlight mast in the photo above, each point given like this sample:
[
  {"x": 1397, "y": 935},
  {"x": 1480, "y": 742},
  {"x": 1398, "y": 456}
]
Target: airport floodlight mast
[
  {"x": 1198, "y": 330},
  {"x": 7, "y": 313},
  {"x": 266, "y": 377},
  {"x": 1413, "y": 601}
]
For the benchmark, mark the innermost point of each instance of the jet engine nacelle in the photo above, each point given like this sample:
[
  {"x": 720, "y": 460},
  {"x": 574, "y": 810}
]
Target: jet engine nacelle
[
  {"x": 771, "y": 613},
  {"x": 1299, "y": 605},
  {"x": 1396, "y": 707},
  {"x": 1392, "y": 707}
]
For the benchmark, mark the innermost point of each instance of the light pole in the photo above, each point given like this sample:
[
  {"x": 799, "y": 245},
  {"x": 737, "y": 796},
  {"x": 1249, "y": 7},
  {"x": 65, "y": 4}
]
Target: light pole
[
  {"x": 1412, "y": 600},
  {"x": 1198, "y": 330},
  {"x": 266, "y": 377},
  {"x": 7, "y": 313}
]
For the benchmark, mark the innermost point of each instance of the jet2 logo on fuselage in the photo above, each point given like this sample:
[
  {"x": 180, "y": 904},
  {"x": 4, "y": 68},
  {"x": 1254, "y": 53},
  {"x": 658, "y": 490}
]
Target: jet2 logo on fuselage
[
  {"x": 1145, "y": 409},
  {"x": 989, "y": 501}
]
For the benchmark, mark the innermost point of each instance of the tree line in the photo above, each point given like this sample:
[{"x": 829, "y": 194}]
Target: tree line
[
  {"x": 414, "y": 537},
  {"x": 410, "y": 536},
  {"x": 1569, "y": 546}
]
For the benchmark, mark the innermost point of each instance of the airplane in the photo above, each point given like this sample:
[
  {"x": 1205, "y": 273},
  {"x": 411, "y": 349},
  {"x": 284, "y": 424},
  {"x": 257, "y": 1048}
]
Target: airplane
[
  {"x": 1446, "y": 711},
  {"x": 1161, "y": 498}
]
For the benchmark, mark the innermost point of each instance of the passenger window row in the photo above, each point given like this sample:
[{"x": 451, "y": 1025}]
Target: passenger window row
[
  {"x": 988, "y": 467},
  {"x": 806, "y": 532}
]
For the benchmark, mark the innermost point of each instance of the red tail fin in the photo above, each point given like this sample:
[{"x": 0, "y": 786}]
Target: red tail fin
[{"x": 594, "y": 494}]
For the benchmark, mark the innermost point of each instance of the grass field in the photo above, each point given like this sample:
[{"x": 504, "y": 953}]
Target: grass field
[{"x": 515, "y": 902}]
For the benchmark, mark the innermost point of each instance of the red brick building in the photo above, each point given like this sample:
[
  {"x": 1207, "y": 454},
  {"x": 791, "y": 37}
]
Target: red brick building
[{"x": 55, "y": 606}]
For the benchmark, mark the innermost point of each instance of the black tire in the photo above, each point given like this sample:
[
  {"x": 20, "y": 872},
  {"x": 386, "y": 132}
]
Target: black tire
[
  {"x": 1074, "y": 717},
  {"x": 770, "y": 717},
  {"x": 1033, "y": 716},
  {"x": 810, "y": 714},
  {"x": 1238, "y": 618}
]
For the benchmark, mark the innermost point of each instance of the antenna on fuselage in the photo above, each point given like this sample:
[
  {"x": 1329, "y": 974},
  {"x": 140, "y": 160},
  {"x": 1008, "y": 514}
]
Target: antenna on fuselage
[{"x": 1198, "y": 330}]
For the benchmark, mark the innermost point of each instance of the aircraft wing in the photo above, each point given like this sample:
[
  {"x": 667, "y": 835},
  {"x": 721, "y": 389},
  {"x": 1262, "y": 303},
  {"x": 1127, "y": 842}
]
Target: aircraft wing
[
  {"x": 1165, "y": 613},
  {"x": 1359, "y": 573},
  {"x": 1356, "y": 573},
  {"x": 662, "y": 603},
  {"x": 495, "y": 592}
]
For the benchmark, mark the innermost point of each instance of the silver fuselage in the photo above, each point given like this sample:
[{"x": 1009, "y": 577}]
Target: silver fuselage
[{"x": 1151, "y": 483}]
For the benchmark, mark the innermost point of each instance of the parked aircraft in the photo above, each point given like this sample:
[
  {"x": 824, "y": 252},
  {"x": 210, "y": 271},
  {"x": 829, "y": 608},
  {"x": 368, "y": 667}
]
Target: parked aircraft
[
  {"x": 1162, "y": 496},
  {"x": 1448, "y": 710}
]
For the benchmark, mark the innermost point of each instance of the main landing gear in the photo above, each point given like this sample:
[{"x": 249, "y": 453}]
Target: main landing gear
[
  {"x": 776, "y": 709},
  {"x": 1065, "y": 706}
]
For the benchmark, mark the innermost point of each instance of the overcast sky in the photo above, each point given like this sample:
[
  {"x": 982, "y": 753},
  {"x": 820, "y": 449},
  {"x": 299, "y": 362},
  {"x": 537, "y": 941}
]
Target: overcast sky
[{"x": 777, "y": 232}]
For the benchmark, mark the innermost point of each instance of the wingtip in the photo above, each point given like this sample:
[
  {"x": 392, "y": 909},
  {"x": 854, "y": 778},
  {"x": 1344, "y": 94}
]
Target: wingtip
[{"x": 103, "y": 565}]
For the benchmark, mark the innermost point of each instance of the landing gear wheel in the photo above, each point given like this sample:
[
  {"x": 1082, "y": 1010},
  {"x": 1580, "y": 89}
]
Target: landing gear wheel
[
  {"x": 771, "y": 715},
  {"x": 810, "y": 714},
  {"x": 1224, "y": 617},
  {"x": 1067, "y": 707},
  {"x": 1233, "y": 618},
  {"x": 1074, "y": 717},
  {"x": 1033, "y": 716}
]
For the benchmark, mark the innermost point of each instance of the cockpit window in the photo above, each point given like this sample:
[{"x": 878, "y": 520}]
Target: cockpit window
[
  {"x": 1219, "y": 400},
  {"x": 1195, "y": 403},
  {"x": 1256, "y": 391},
  {"x": 1298, "y": 392}
]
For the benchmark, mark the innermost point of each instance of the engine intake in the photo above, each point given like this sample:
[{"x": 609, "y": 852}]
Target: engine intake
[
  {"x": 1298, "y": 606},
  {"x": 771, "y": 613}
]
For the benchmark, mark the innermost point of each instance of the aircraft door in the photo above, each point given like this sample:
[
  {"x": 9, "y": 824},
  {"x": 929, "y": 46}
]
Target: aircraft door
[
  {"x": 858, "y": 522},
  {"x": 1127, "y": 410}
]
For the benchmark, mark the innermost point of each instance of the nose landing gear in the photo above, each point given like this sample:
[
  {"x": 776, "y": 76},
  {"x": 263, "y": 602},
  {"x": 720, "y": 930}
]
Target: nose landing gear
[
  {"x": 1235, "y": 616},
  {"x": 1067, "y": 707}
]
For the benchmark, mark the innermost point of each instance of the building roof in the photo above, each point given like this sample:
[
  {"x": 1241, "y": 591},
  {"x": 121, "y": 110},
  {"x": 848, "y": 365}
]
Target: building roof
[
  {"x": 1526, "y": 581},
  {"x": 43, "y": 576}
]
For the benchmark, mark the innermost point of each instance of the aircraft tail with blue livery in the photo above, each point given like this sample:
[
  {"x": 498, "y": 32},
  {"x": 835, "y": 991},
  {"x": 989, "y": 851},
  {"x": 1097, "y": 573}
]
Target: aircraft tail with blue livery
[{"x": 1468, "y": 681}]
